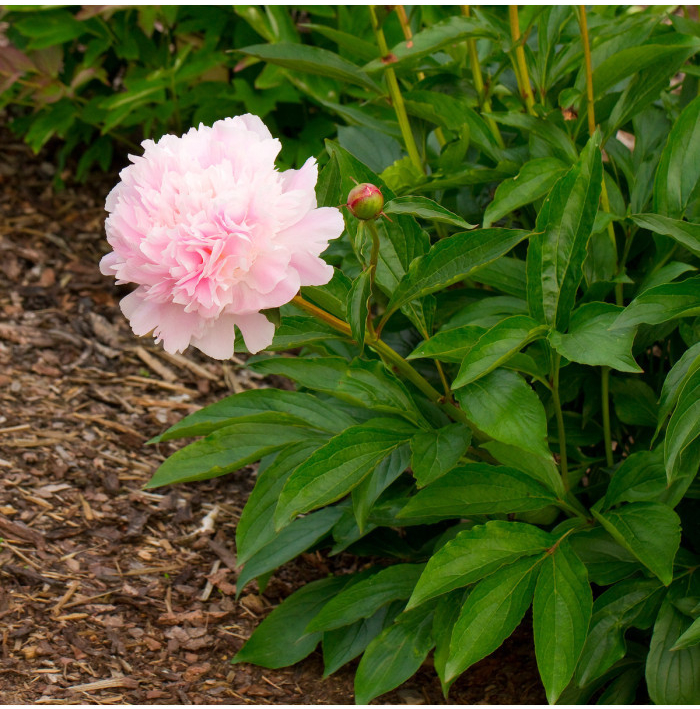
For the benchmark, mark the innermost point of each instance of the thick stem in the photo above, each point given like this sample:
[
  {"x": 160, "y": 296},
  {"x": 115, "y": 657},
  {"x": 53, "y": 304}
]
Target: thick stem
[
  {"x": 478, "y": 80},
  {"x": 563, "y": 462},
  {"x": 395, "y": 94},
  {"x": 605, "y": 403},
  {"x": 521, "y": 73}
]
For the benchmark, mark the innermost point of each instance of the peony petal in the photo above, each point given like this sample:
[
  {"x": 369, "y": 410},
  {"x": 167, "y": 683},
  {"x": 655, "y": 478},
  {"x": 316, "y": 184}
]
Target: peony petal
[
  {"x": 257, "y": 331},
  {"x": 315, "y": 229},
  {"x": 312, "y": 270},
  {"x": 218, "y": 338}
]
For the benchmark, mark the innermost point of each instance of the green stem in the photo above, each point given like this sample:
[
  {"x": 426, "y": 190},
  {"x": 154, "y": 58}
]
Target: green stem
[
  {"x": 589, "y": 70},
  {"x": 395, "y": 94},
  {"x": 408, "y": 35},
  {"x": 605, "y": 202},
  {"x": 484, "y": 100},
  {"x": 396, "y": 360},
  {"x": 521, "y": 73},
  {"x": 605, "y": 402},
  {"x": 563, "y": 462},
  {"x": 374, "y": 256}
]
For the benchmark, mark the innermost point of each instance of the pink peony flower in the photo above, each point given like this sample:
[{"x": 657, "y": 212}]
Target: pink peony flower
[{"x": 212, "y": 234}]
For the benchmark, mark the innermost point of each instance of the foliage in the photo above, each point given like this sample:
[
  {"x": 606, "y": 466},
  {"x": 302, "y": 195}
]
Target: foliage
[
  {"x": 509, "y": 413},
  {"x": 103, "y": 78}
]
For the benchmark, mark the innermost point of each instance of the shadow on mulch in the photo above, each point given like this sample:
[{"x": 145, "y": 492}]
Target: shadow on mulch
[{"x": 110, "y": 594}]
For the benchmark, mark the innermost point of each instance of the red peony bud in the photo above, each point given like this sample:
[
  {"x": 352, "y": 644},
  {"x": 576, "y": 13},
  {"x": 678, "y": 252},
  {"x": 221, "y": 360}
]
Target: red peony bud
[{"x": 365, "y": 201}]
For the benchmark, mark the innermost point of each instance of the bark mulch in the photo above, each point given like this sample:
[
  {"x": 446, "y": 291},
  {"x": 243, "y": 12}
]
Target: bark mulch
[{"x": 110, "y": 594}]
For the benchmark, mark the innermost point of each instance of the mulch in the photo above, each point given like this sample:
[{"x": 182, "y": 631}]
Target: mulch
[{"x": 110, "y": 594}]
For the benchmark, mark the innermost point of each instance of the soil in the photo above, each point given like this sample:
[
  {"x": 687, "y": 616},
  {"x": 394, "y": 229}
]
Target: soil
[{"x": 110, "y": 594}]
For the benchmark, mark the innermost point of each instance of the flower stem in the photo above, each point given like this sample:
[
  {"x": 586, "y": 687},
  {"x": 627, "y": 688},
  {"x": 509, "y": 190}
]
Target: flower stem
[
  {"x": 605, "y": 402},
  {"x": 563, "y": 462},
  {"x": 393, "y": 358},
  {"x": 478, "y": 80},
  {"x": 395, "y": 94},
  {"x": 521, "y": 73},
  {"x": 374, "y": 256},
  {"x": 590, "y": 111}
]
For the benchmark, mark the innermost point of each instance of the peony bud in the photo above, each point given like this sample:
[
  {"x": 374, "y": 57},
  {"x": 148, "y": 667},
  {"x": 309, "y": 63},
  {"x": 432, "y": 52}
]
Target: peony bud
[{"x": 365, "y": 201}]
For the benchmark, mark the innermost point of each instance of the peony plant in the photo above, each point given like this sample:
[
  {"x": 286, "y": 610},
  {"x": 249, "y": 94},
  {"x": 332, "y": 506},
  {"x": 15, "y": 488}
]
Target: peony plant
[{"x": 499, "y": 420}]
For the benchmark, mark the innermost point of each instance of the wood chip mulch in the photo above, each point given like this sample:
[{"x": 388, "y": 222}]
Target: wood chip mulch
[{"x": 110, "y": 594}]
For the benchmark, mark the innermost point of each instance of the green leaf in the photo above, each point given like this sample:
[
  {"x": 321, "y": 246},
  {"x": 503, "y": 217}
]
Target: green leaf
[
  {"x": 591, "y": 341},
  {"x": 333, "y": 296},
  {"x": 641, "y": 477},
  {"x": 496, "y": 346},
  {"x": 683, "y": 428},
  {"x": 294, "y": 539},
  {"x": 300, "y": 331},
  {"x": 452, "y": 260},
  {"x": 476, "y": 553},
  {"x": 431, "y": 39},
  {"x": 49, "y": 28},
  {"x": 395, "y": 655},
  {"x": 256, "y": 528},
  {"x": 647, "y": 84},
  {"x": 337, "y": 467},
  {"x": 425, "y": 209},
  {"x": 357, "y": 46},
  {"x": 312, "y": 60},
  {"x": 449, "y": 345},
  {"x": 559, "y": 141},
  {"x": 633, "y": 602},
  {"x": 281, "y": 639},
  {"x": 487, "y": 311},
  {"x": 635, "y": 402},
  {"x": 679, "y": 169},
  {"x": 557, "y": 251},
  {"x": 368, "y": 491},
  {"x": 662, "y": 303},
  {"x": 673, "y": 676},
  {"x": 346, "y": 643},
  {"x": 364, "y": 598},
  {"x": 478, "y": 488},
  {"x": 358, "y": 306},
  {"x": 537, "y": 467},
  {"x": 649, "y": 530},
  {"x": 230, "y": 448},
  {"x": 534, "y": 180},
  {"x": 685, "y": 233},
  {"x": 505, "y": 407},
  {"x": 491, "y": 613},
  {"x": 675, "y": 381},
  {"x": 623, "y": 689},
  {"x": 258, "y": 401},
  {"x": 505, "y": 274},
  {"x": 446, "y": 614},
  {"x": 606, "y": 560},
  {"x": 561, "y": 612},
  {"x": 360, "y": 382},
  {"x": 690, "y": 637},
  {"x": 437, "y": 451}
]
